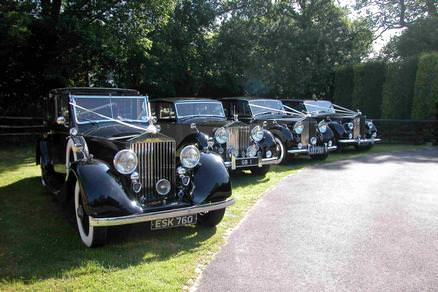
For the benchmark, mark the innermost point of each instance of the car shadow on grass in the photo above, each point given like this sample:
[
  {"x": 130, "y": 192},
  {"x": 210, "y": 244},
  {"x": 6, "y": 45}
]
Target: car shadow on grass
[{"x": 38, "y": 242}]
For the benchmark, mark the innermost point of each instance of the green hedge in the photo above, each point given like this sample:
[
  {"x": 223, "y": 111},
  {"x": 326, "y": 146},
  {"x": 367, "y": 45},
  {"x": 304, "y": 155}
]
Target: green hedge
[
  {"x": 425, "y": 101},
  {"x": 398, "y": 90},
  {"x": 368, "y": 84},
  {"x": 344, "y": 85}
]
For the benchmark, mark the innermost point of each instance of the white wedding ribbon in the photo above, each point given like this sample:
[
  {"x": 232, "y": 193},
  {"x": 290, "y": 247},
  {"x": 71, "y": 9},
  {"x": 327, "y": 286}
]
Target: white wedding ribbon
[{"x": 150, "y": 129}]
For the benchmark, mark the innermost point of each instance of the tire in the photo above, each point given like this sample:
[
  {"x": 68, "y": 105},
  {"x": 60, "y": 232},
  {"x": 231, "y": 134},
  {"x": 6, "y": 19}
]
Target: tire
[
  {"x": 282, "y": 150},
  {"x": 212, "y": 218},
  {"x": 262, "y": 171},
  {"x": 319, "y": 157},
  {"x": 90, "y": 236}
]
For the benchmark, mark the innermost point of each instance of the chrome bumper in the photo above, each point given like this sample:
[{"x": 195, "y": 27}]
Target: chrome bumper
[
  {"x": 260, "y": 162},
  {"x": 307, "y": 150},
  {"x": 139, "y": 218},
  {"x": 359, "y": 141}
]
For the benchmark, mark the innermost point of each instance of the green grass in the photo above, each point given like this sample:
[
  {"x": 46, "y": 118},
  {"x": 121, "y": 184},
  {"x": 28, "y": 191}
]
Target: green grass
[{"x": 39, "y": 249}]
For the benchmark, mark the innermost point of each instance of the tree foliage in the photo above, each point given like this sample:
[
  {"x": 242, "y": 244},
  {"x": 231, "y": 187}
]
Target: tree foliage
[{"x": 344, "y": 86}]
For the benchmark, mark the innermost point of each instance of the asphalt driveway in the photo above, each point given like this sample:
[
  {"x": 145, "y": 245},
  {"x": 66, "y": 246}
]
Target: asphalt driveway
[{"x": 369, "y": 223}]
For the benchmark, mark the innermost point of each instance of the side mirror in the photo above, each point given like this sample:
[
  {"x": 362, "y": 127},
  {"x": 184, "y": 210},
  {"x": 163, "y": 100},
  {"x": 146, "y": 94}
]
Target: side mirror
[{"x": 60, "y": 120}]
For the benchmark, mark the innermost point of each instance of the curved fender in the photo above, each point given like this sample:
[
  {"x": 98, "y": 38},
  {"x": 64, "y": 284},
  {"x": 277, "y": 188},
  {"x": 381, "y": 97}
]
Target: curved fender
[
  {"x": 283, "y": 133},
  {"x": 268, "y": 141},
  {"x": 328, "y": 135},
  {"x": 337, "y": 129},
  {"x": 211, "y": 179},
  {"x": 199, "y": 138},
  {"x": 102, "y": 192}
]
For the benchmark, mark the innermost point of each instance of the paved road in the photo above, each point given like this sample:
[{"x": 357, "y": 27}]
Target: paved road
[{"x": 366, "y": 224}]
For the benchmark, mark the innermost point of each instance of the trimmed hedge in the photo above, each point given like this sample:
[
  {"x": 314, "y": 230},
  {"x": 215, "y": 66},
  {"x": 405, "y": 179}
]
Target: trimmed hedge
[
  {"x": 344, "y": 85},
  {"x": 368, "y": 84},
  {"x": 398, "y": 90},
  {"x": 425, "y": 101}
]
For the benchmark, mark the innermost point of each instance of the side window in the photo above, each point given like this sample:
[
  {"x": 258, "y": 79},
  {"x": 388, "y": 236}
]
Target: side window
[
  {"x": 227, "y": 109},
  {"x": 166, "y": 111}
]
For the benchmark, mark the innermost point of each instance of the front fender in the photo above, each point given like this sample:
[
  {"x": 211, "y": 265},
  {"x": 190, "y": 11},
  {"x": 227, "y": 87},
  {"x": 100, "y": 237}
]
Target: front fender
[
  {"x": 268, "y": 142},
  {"x": 283, "y": 133},
  {"x": 211, "y": 180},
  {"x": 199, "y": 138},
  {"x": 337, "y": 129},
  {"x": 102, "y": 191},
  {"x": 42, "y": 153},
  {"x": 328, "y": 135}
]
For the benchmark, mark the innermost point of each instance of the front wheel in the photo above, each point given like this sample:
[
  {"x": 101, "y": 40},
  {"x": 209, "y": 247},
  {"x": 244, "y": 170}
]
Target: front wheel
[
  {"x": 281, "y": 150},
  {"x": 90, "y": 236},
  {"x": 212, "y": 218},
  {"x": 262, "y": 171}
]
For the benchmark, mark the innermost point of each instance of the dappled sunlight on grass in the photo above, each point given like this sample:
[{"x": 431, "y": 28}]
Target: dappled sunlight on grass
[{"x": 39, "y": 248}]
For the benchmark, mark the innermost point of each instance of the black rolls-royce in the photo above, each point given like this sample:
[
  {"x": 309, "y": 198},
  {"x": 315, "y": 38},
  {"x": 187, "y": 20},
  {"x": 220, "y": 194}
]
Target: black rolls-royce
[
  {"x": 295, "y": 132},
  {"x": 351, "y": 128},
  {"x": 104, "y": 158},
  {"x": 203, "y": 121}
]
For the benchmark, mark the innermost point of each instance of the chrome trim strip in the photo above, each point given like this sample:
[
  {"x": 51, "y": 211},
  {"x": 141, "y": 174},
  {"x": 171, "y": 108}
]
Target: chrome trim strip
[
  {"x": 139, "y": 218},
  {"x": 304, "y": 150},
  {"x": 359, "y": 141},
  {"x": 332, "y": 148},
  {"x": 272, "y": 160}
]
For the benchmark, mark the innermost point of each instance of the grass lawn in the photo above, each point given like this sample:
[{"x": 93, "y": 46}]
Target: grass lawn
[{"x": 39, "y": 249}]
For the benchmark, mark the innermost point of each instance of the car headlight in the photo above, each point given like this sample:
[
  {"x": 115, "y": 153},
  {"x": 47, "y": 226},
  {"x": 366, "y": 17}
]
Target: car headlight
[
  {"x": 322, "y": 127},
  {"x": 251, "y": 151},
  {"x": 125, "y": 161},
  {"x": 299, "y": 127},
  {"x": 370, "y": 125},
  {"x": 221, "y": 135},
  {"x": 350, "y": 125},
  {"x": 257, "y": 133},
  {"x": 190, "y": 156}
]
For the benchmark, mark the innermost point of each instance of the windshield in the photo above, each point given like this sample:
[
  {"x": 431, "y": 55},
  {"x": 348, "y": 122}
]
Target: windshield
[
  {"x": 266, "y": 106},
  {"x": 320, "y": 106},
  {"x": 199, "y": 109},
  {"x": 95, "y": 109}
]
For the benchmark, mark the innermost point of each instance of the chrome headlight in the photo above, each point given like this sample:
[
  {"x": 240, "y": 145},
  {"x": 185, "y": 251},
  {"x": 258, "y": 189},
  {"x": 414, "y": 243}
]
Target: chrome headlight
[
  {"x": 251, "y": 151},
  {"x": 299, "y": 127},
  {"x": 257, "y": 133},
  {"x": 322, "y": 127},
  {"x": 350, "y": 125},
  {"x": 190, "y": 156},
  {"x": 125, "y": 161},
  {"x": 370, "y": 125},
  {"x": 221, "y": 135}
]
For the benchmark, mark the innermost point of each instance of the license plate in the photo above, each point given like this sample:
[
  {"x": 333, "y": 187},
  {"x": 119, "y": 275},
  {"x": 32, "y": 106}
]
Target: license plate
[
  {"x": 317, "y": 150},
  {"x": 246, "y": 162},
  {"x": 173, "y": 222}
]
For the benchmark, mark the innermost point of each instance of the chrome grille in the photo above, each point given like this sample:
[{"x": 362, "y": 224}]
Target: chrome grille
[
  {"x": 356, "y": 127},
  {"x": 156, "y": 160},
  {"x": 305, "y": 135},
  {"x": 238, "y": 139}
]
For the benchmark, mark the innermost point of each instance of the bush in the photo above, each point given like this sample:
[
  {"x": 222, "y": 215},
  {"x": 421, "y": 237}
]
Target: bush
[
  {"x": 368, "y": 83},
  {"x": 425, "y": 101},
  {"x": 344, "y": 85},
  {"x": 398, "y": 90}
]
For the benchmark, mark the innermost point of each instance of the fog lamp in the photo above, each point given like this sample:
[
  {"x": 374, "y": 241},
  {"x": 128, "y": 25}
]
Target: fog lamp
[
  {"x": 330, "y": 143},
  {"x": 268, "y": 154},
  {"x": 163, "y": 187},
  {"x": 350, "y": 136},
  {"x": 313, "y": 140},
  {"x": 374, "y": 135},
  {"x": 300, "y": 145}
]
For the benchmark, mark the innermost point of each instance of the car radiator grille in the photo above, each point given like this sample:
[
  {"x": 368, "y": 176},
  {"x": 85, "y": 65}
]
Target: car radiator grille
[
  {"x": 156, "y": 160},
  {"x": 239, "y": 139},
  {"x": 358, "y": 127},
  {"x": 305, "y": 135}
]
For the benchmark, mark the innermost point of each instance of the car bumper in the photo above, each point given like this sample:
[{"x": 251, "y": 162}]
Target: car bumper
[
  {"x": 359, "y": 141},
  {"x": 257, "y": 162},
  {"x": 307, "y": 150},
  {"x": 146, "y": 217}
]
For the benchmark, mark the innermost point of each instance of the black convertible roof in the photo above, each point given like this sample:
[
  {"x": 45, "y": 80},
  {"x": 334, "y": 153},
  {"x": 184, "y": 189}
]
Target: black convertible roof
[{"x": 94, "y": 91}]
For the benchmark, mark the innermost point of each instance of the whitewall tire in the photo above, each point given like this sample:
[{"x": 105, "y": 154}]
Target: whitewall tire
[{"x": 90, "y": 235}]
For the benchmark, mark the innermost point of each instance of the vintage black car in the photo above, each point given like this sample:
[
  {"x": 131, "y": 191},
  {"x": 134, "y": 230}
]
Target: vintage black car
[
  {"x": 104, "y": 158},
  {"x": 295, "y": 132},
  {"x": 202, "y": 121},
  {"x": 351, "y": 128}
]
